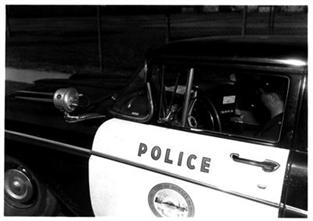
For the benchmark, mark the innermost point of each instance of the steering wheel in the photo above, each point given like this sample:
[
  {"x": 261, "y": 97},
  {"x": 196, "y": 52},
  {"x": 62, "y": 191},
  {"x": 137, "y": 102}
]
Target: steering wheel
[{"x": 203, "y": 115}]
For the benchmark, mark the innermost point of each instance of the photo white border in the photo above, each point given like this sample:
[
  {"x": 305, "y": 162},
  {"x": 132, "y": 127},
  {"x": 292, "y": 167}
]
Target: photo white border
[{"x": 150, "y": 2}]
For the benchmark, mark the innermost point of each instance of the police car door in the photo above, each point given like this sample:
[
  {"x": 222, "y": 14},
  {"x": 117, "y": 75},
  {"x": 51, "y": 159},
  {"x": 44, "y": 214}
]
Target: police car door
[{"x": 146, "y": 170}]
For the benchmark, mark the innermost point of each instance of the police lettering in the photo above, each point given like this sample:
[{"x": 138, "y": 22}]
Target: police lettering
[{"x": 189, "y": 160}]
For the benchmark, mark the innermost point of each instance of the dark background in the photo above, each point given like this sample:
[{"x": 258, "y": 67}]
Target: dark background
[{"x": 114, "y": 39}]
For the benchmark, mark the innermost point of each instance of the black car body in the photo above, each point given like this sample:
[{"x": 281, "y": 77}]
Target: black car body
[{"x": 204, "y": 88}]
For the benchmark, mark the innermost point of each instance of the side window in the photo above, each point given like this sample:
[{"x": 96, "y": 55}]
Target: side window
[
  {"x": 173, "y": 89},
  {"x": 230, "y": 102},
  {"x": 134, "y": 102},
  {"x": 238, "y": 103}
]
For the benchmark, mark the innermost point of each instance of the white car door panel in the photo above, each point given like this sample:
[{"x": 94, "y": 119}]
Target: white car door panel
[{"x": 131, "y": 161}]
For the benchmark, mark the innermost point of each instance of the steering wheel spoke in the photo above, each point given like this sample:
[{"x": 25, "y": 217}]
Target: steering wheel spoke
[{"x": 205, "y": 114}]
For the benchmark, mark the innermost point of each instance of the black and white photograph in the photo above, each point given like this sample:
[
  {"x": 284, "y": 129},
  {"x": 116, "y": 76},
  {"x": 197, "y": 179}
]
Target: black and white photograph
[{"x": 155, "y": 110}]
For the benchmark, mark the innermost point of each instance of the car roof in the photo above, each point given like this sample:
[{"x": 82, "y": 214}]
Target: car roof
[{"x": 272, "y": 50}]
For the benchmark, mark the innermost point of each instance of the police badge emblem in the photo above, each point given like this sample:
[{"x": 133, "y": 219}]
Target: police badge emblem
[{"x": 170, "y": 200}]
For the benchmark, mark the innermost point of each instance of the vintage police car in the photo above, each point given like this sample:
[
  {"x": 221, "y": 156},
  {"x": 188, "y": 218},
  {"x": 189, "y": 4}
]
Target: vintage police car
[{"x": 211, "y": 127}]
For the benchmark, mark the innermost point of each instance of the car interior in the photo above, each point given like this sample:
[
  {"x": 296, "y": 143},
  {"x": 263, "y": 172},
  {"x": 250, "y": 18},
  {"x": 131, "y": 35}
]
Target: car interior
[{"x": 225, "y": 101}]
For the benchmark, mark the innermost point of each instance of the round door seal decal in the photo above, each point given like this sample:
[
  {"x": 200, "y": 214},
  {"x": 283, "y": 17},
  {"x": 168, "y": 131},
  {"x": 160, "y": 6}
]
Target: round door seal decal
[{"x": 170, "y": 200}]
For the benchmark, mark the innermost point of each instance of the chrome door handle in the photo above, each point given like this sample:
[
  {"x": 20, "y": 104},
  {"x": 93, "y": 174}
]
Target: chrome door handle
[{"x": 266, "y": 165}]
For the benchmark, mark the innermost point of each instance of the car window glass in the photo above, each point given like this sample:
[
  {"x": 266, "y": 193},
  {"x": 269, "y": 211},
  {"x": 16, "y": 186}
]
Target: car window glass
[
  {"x": 172, "y": 88},
  {"x": 133, "y": 101},
  {"x": 248, "y": 104},
  {"x": 240, "y": 103}
]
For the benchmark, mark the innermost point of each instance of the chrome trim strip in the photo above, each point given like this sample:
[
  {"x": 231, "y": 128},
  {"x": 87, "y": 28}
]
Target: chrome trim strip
[
  {"x": 35, "y": 92},
  {"x": 142, "y": 166},
  {"x": 166, "y": 173},
  {"x": 34, "y": 99},
  {"x": 297, "y": 210},
  {"x": 72, "y": 147}
]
